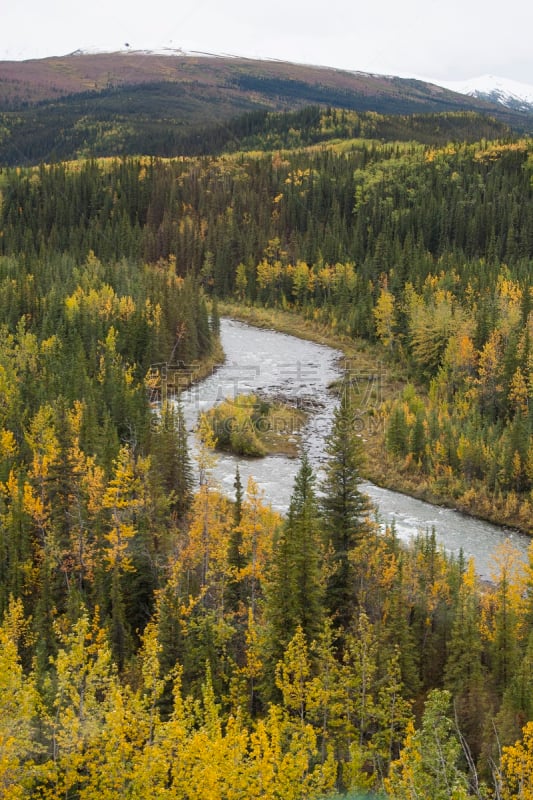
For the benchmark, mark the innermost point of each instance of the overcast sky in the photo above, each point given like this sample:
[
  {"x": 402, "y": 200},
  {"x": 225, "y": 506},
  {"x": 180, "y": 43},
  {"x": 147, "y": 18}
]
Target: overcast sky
[{"x": 453, "y": 40}]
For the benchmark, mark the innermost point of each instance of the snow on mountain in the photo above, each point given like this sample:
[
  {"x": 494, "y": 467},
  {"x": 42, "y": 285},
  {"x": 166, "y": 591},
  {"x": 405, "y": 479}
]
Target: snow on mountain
[
  {"x": 127, "y": 49},
  {"x": 512, "y": 94}
]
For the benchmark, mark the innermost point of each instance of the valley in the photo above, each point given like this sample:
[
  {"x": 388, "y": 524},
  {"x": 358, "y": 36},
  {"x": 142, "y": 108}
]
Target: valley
[{"x": 179, "y": 621}]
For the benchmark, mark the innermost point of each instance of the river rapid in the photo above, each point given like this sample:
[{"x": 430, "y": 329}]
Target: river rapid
[{"x": 272, "y": 363}]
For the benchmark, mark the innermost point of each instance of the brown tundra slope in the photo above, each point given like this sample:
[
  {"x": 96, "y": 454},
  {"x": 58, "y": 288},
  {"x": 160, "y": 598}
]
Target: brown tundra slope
[{"x": 264, "y": 83}]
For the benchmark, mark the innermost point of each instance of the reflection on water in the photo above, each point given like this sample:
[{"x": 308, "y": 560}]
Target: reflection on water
[{"x": 259, "y": 360}]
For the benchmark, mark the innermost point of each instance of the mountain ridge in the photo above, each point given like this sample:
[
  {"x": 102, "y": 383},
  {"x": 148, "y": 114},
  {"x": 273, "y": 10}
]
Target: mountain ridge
[
  {"x": 515, "y": 95},
  {"x": 128, "y": 102},
  {"x": 49, "y": 78}
]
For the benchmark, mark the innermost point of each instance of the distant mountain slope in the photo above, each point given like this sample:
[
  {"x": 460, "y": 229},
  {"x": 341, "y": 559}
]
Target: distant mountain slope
[
  {"x": 137, "y": 102},
  {"x": 511, "y": 94},
  {"x": 271, "y": 83}
]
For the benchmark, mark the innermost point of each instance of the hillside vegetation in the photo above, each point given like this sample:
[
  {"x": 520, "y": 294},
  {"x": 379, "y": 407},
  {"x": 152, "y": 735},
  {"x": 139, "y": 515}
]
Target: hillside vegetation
[{"x": 158, "y": 640}]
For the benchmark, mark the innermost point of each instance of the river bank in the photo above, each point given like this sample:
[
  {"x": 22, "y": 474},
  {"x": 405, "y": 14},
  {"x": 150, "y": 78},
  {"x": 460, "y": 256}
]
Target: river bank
[{"x": 363, "y": 359}]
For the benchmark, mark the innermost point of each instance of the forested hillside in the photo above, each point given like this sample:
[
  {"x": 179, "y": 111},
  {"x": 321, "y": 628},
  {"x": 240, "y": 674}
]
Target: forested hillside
[{"x": 159, "y": 640}]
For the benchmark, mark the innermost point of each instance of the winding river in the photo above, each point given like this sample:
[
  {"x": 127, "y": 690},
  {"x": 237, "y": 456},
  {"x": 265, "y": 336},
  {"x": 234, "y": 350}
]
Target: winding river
[{"x": 259, "y": 360}]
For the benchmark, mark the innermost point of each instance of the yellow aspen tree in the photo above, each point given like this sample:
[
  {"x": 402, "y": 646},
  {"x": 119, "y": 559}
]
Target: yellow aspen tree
[
  {"x": 122, "y": 497},
  {"x": 38, "y": 509},
  {"x": 268, "y": 272},
  {"x": 258, "y": 523},
  {"x": 241, "y": 281},
  {"x": 265, "y": 753},
  {"x": 516, "y": 768},
  {"x": 344, "y": 276},
  {"x": 208, "y": 751},
  {"x": 489, "y": 384},
  {"x": 510, "y": 304},
  {"x": 8, "y": 451},
  {"x": 460, "y": 359},
  {"x": 293, "y": 676},
  {"x": 19, "y": 708},
  {"x": 85, "y": 502},
  {"x": 518, "y": 395},
  {"x": 325, "y": 279},
  {"x": 206, "y": 552},
  {"x": 153, "y": 684},
  {"x": 284, "y": 761},
  {"x": 125, "y": 502},
  {"x": 84, "y": 680},
  {"x": 42, "y": 440},
  {"x": 212, "y": 759},
  {"x": 431, "y": 325},
  {"x": 385, "y": 318},
  {"x": 20, "y": 573},
  {"x": 162, "y": 768},
  {"x": 327, "y": 704},
  {"x": 112, "y": 757},
  {"x": 301, "y": 282},
  {"x": 217, "y": 766},
  {"x": 376, "y": 566},
  {"x": 235, "y": 767}
]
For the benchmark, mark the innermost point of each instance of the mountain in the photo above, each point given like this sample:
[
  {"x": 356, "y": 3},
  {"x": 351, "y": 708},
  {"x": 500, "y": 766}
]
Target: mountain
[
  {"x": 160, "y": 103},
  {"x": 511, "y": 94},
  {"x": 274, "y": 84}
]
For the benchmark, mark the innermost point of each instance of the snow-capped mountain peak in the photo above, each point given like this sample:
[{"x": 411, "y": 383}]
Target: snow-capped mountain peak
[{"x": 512, "y": 94}]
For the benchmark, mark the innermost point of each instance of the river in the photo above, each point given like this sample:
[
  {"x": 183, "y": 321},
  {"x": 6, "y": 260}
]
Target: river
[{"x": 265, "y": 361}]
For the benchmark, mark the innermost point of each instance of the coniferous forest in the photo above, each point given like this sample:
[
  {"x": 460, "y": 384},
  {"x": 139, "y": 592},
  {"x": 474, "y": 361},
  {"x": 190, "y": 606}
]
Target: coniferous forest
[{"x": 160, "y": 640}]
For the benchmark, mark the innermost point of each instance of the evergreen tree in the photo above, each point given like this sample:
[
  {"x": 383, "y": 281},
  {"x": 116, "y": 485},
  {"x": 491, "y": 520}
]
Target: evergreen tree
[
  {"x": 171, "y": 463},
  {"x": 295, "y": 590},
  {"x": 464, "y": 674},
  {"x": 517, "y": 705},
  {"x": 428, "y": 765},
  {"x": 236, "y": 561},
  {"x": 215, "y": 319},
  {"x": 345, "y": 511}
]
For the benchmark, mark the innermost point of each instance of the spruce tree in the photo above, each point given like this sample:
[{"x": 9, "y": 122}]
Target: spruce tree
[
  {"x": 302, "y": 531},
  {"x": 171, "y": 463},
  {"x": 295, "y": 590},
  {"x": 215, "y": 319},
  {"x": 517, "y": 704},
  {"x": 344, "y": 511},
  {"x": 464, "y": 675},
  {"x": 428, "y": 765},
  {"x": 236, "y": 560}
]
